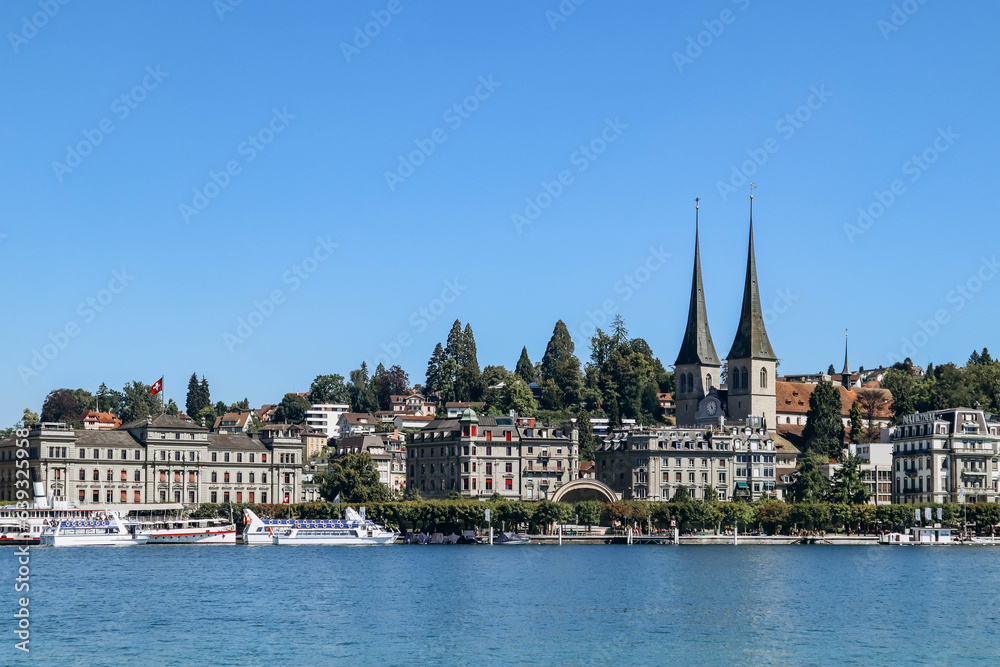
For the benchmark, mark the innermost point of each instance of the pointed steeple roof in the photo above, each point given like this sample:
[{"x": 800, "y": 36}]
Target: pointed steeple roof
[
  {"x": 751, "y": 337},
  {"x": 847, "y": 366},
  {"x": 697, "y": 347}
]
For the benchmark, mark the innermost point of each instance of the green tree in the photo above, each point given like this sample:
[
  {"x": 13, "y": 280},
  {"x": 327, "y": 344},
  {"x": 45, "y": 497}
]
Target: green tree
[
  {"x": 517, "y": 396},
  {"x": 525, "y": 369},
  {"x": 857, "y": 423},
  {"x": 949, "y": 388},
  {"x": 171, "y": 408},
  {"x": 561, "y": 370},
  {"x": 902, "y": 385},
  {"x": 329, "y": 389},
  {"x": 588, "y": 513},
  {"x": 354, "y": 478},
  {"x": 847, "y": 486},
  {"x": 29, "y": 418},
  {"x": 831, "y": 370},
  {"x": 362, "y": 394},
  {"x": 469, "y": 382},
  {"x": 824, "y": 431},
  {"x": 681, "y": 494},
  {"x": 292, "y": 409},
  {"x": 433, "y": 377},
  {"x": 810, "y": 484},
  {"x": 588, "y": 442},
  {"x": 139, "y": 402},
  {"x": 197, "y": 395}
]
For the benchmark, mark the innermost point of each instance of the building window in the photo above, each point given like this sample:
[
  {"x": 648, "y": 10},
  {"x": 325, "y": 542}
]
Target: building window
[
  {"x": 263, "y": 480},
  {"x": 83, "y": 475},
  {"x": 138, "y": 476},
  {"x": 489, "y": 436},
  {"x": 137, "y": 455},
  {"x": 239, "y": 496},
  {"x": 506, "y": 435},
  {"x": 225, "y": 478},
  {"x": 177, "y": 475},
  {"x": 251, "y": 497},
  {"x": 177, "y": 455},
  {"x": 239, "y": 478},
  {"x": 191, "y": 454},
  {"x": 124, "y": 475},
  {"x": 97, "y": 453},
  {"x": 137, "y": 497},
  {"x": 690, "y": 382},
  {"x": 508, "y": 485},
  {"x": 215, "y": 476},
  {"x": 263, "y": 459},
  {"x": 489, "y": 451},
  {"x": 288, "y": 478},
  {"x": 215, "y": 456},
  {"x": 509, "y": 467},
  {"x": 109, "y": 474},
  {"x": 163, "y": 475},
  {"x": 763, "y": 378},
  {"x": 744, "y": 378},
  {"x": 489, "y": 484},
  {"x": 708, "y": 381},
  {"x": 191, "y": 476},
  {"x": 215, "y": 497},
  {"x": 263, "y": 497},
  {"x": 190, "y": 496},
  {"x": 239, "y": 457},
  {"x": 225, "y": 457},
  {"x": 225, "y": 497},
  {"x": 251, "y": 461}
]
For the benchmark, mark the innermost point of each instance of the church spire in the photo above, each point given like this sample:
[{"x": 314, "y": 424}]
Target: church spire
[
  {"x": 697, "y": 347},
  {"x": 751, "y": 340},
  {"x": 845, "y": 375},
  {"x": 847, "y": 366}
]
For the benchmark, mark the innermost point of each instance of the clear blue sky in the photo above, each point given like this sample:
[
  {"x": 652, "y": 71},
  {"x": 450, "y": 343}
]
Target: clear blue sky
[{"x": 678, "y": 128}]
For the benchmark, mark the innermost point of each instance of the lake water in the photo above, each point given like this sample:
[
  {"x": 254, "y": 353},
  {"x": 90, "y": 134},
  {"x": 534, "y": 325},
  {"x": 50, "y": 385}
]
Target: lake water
[{"x": 757, "y": 605}]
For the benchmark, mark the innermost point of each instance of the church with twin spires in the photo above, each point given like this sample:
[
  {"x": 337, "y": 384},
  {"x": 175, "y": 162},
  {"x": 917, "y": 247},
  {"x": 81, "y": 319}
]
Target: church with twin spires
[{"x": 749, "y": 392}]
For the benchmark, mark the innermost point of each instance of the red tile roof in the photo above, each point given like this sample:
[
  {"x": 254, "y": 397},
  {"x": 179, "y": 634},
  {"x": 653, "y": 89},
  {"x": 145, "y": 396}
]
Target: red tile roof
[{"x": 793, "y": 397}]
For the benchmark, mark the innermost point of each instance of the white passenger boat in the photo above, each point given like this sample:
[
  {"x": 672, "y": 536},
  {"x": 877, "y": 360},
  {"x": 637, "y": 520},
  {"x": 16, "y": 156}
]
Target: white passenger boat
[
  {"x": 353, "y": 530},
  {"x": 107, "y": 531},
  {"x": 23, "y": 524},
  {"x": 188, "y": 531},
  {"x": 924, "y": 536}
]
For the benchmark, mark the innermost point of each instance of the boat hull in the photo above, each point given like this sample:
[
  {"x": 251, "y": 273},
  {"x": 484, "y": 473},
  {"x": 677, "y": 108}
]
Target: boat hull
[
  {"x": 322, "y": 540},
  {"x": 183, "y": 536}
]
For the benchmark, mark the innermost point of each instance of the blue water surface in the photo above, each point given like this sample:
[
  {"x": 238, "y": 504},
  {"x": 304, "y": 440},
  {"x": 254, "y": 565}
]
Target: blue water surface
[{"x": 527, "y": 605}]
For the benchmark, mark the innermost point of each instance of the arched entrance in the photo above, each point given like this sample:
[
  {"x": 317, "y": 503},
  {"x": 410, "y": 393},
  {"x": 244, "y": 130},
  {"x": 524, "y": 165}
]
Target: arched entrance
[{"x": 585, "y": 489}]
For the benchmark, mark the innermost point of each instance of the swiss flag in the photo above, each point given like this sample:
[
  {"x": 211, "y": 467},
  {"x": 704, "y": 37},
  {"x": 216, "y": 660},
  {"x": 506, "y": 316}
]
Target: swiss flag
[{"x": 157, "y": 387}]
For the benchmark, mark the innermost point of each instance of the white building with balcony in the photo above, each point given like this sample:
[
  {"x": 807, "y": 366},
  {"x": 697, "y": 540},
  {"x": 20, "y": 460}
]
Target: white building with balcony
[
  {"x": 946, "y": 456},
  {"x": 324, "y": 417}
]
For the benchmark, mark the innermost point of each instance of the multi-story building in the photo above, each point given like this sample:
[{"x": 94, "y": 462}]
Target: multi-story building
[
  {"x": 479, "y": 455},
  {"x": 326, "y": 416},
  {"x": 651, "y": 464},
  {"x": 234, "y": 422},
  {"x": 158, "y": 459},
  {"x": 415, "y": 404},
  {"x": 946, "y": 456},
  {"x": 100, "y": 420},
  {"x": 388, "y": 451},
  {"x": 355, "y": 423}
]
